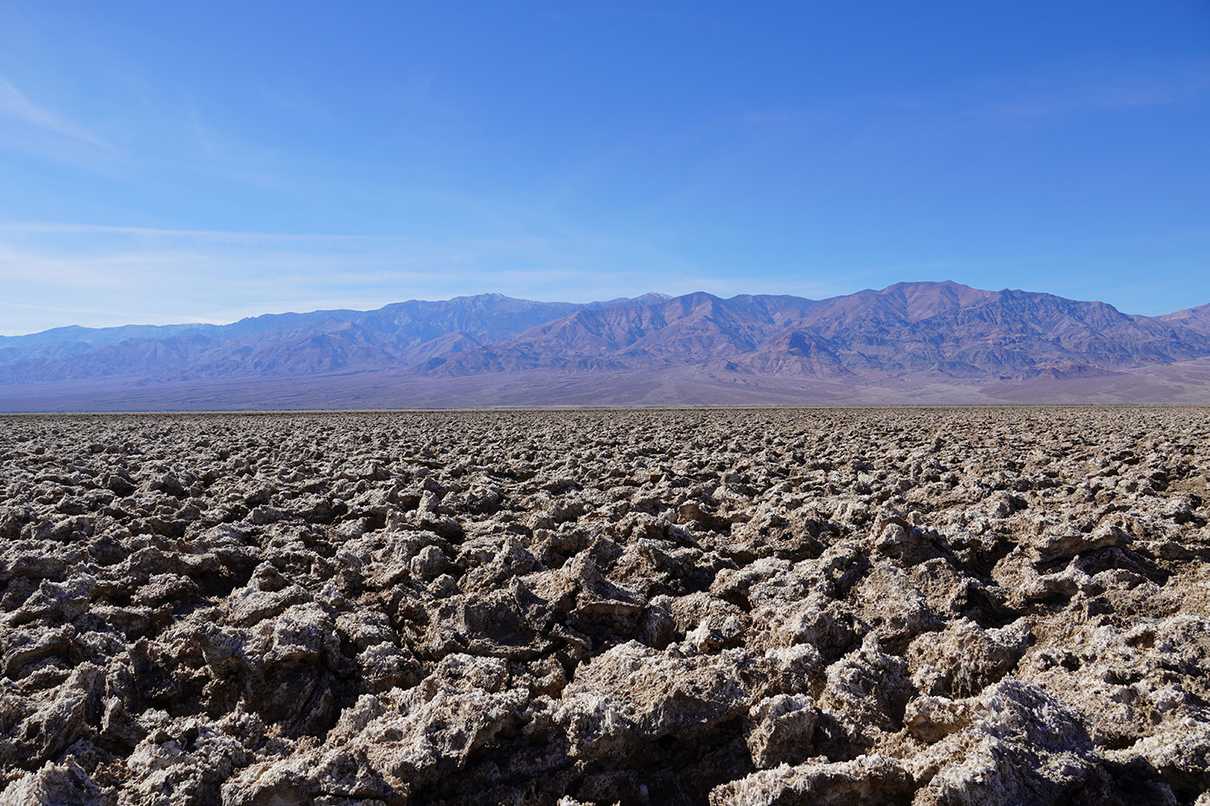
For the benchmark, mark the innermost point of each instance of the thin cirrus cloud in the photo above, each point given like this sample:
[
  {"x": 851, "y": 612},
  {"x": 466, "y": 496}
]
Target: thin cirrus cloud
[
  {"x": 214, "y": 235},
  {"x": 17, "y": 106},
  {"x": 1122, "y": 95},
  {"x": 132, "y": 256},
  {"x": 102, "y": 275},
  {"x": 1051, "y": 93}
]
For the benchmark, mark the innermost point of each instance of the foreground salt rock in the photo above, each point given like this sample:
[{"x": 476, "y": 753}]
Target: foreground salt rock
[
  {"x": 868, "y": 779},
  {"x": 926, "y": 607}
]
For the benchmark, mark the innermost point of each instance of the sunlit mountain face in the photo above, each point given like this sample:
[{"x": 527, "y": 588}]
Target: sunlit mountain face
[{"x": 945, "y": 329}]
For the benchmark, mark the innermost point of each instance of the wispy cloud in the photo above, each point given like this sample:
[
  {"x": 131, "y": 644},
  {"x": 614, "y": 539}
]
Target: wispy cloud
[
  {"x": 16, "y": 105},
  {"x": 157, "y": 275},
  {"x": 215, "y": 235},
  {"x": 1048, "y": 92},
  {"x": 1101, "y": 93}
]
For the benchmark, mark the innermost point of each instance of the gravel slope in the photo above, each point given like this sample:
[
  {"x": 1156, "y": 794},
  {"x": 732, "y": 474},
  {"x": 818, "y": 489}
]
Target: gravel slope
[{"x": 957, "y": 606}]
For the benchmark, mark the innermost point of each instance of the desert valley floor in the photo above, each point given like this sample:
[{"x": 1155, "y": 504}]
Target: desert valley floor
[{"x": 773, "y": 606}]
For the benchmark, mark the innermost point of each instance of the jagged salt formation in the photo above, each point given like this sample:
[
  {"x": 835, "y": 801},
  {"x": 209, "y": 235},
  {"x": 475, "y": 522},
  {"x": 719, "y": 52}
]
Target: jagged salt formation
[{"x": 733, "y": 607}]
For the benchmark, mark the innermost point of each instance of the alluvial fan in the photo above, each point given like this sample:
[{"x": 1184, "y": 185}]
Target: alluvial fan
[{"x": 962, "y": 606}]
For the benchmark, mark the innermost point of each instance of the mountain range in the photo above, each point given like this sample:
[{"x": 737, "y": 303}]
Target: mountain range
[{"x": 905, "y": 339}]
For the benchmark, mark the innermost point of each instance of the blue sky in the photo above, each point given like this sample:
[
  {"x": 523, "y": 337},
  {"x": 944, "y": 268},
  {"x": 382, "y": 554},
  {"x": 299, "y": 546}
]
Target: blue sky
[{"x": 166, "y": 162}]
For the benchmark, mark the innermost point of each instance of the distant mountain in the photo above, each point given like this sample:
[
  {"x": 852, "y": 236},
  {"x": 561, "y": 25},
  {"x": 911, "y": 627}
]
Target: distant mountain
[
  {"x": 943, "y": 328},
  {"x": 1197, "y": 319},
  {"x": 906, "y": 333},
  {"x": 402, "y": 335}
]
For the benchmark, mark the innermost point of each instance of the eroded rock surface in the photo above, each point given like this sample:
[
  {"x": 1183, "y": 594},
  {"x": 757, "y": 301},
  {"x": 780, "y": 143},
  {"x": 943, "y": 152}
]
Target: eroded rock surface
[{"x": 927, "y": 607}]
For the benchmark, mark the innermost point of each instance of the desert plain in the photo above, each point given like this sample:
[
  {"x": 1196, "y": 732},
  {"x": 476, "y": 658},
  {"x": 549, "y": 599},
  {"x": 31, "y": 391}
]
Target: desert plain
[{"x": 765, "y": 606}]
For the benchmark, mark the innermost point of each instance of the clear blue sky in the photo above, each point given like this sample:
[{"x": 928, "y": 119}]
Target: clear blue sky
[{"x": 205, "y": 161}]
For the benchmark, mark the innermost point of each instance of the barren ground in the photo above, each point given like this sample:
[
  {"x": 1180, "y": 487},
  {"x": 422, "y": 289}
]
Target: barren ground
[
  {"x": 958, "y": 606},
  {"x": 1183, "y": 383}
]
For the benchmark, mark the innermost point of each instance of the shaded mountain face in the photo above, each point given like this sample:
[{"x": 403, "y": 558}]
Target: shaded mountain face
[{"x": 944, "y": 329}]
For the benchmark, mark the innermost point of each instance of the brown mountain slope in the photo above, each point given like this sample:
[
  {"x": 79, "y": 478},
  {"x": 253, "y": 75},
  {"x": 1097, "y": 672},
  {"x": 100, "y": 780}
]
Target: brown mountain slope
[
  {"x": 908, "y": 327},
  {"x": 1196, "y": 319},
  {"x": 903, "y": 337}
]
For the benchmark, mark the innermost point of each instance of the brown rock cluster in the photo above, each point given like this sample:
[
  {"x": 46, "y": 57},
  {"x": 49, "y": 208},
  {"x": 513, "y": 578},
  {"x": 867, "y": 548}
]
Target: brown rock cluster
[{"x": 927, "y": 607}]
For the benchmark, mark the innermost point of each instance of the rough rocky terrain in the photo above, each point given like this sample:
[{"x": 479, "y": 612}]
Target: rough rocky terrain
[{"x": 963, "y": 606}]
